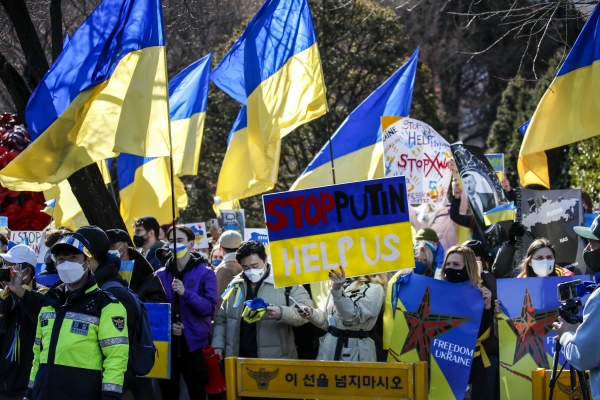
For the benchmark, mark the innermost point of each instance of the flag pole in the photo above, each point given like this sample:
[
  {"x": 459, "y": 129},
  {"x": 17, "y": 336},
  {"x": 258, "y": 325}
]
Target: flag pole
[{"x": 330, "y": 143}]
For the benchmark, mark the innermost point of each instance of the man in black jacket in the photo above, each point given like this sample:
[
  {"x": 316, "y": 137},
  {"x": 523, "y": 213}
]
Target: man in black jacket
[{"x": 18, "y": 322}]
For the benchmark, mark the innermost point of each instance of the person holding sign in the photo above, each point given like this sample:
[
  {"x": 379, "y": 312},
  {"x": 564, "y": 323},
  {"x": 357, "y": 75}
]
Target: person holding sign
[
  {"x": 351, "y": 311},
  {"x": 460, "y": 267},
  {"x": 271, "y": 336}
]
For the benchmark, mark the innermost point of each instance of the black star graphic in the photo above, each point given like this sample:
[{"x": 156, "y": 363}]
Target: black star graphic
[
  {"x": 531, "y": 329},
  {"x": 423, "y": 326}
]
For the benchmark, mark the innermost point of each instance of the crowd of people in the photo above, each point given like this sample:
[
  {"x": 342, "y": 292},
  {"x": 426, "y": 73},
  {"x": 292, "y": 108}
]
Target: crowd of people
[{"x": 73, "y": 340}]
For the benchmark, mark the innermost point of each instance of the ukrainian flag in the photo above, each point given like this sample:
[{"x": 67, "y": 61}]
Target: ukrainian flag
[
  {"x": 188, "y": 98},
  {"x": 274, "y": 68},
  {"x": 145, "y": 189},
  {"x": 105, "y": 94},
  {"x": 504, "y": 212},
  {"x": 236, "y": 178},
  {"x": 570, "y": 109},
  {"x": 357, "y": 145}
]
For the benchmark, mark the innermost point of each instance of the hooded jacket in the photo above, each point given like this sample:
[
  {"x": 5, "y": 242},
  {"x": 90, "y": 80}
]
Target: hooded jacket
[
  {"x": 275, "y": 339},
  {"x": 15, "y": 317},
  {"x": 197, "y": 305},
  {"x": 225, "y": 273},
  {"x": 152, "y": 257},
  {"x": 144, "y": 281}
]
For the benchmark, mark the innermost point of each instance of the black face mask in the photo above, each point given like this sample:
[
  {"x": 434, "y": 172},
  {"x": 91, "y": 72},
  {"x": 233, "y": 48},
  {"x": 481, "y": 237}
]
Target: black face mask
[
  {"x": 139, "y": 241},
  {"x": 592, "y": 260},
  {"x": 456, "y": 275}
]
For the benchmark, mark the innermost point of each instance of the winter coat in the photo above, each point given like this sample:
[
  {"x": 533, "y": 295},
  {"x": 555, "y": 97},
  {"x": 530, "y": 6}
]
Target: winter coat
[
  {"x": 225, "y": 272},
  {"x": 144, "y": 281},
  {"x": 152, "y": 257},
  {"x": 275, "y": 339},
  {"x": 439, "y": 221},
  {"x": 16, "y": 316},
  {"x": 354, "y": 307},
  {"x": 197, "y": 305},
  {"x": 581, "y": 347},
  {"x": 504, "y": 264}
]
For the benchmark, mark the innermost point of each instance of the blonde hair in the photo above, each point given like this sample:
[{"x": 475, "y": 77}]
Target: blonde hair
[
  {"x": 424, "y": 247},
  {"x": 470, "y": 263},
  {"x": 380, "y": 279}
]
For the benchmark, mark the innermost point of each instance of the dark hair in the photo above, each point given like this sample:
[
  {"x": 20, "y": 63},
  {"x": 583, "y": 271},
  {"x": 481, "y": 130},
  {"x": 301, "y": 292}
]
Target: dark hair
[
  {"x": 3, "y": 239},
  {"x": 248, "y": 248},
  {"x": 185, "y": 229},
  {"x": 149, "y": 223},
  {"x": 52, "y": 235},
  {"x": 533, "y": 247}
]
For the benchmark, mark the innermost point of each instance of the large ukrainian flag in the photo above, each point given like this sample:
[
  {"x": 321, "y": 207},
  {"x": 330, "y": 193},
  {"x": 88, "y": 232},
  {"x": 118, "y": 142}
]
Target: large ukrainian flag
[
  {"x": 188, "y": 99},
  {"x": 236, "y": 177},
  {"x": 357, "y": 145},
  {"x": 145, "y": 189},
  {"x": 570, "y": 109},
  {"x": 274, "y": 68},
  {"x": 105, "y": 94}
]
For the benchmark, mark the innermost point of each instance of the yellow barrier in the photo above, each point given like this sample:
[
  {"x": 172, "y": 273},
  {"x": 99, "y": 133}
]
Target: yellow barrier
[
  {"x": 299, "y": 379},
  {"x": 540, "y": 383}
]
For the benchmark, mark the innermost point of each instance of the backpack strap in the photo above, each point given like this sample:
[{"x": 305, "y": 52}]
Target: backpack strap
[{"x": 114, "y": 284}]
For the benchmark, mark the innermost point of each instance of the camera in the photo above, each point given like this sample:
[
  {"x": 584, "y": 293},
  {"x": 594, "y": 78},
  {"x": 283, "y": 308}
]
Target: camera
[{"x": 569, "y": 303}]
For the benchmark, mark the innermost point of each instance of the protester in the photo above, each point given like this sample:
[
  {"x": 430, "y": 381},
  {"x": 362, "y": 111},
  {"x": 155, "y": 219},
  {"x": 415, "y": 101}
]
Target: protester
[
  {"x": 229, "y": 242},
  {"x": 435, "y": 216},
  {"x": 216, "y": 257},
  {"x": 162, "y": 233},
  {"x": 51, "y": 236},
  {"x": 580, "y": 341},
  {"x": 18, "y": 321},
  {"x": 540, "y": 261},
  {"x": 105, "y": 267},
  {"x": 351, "y": 312},
  {"x": 272, "y": 337},
  {"x": 215, "y": 234},
  {"x": 86, "y": 356},
  {"x": 425, "y": 262},
  {"x": 504, "y": 264},
  {"x": 145, "y": 239},
  {"x": 191, "y": 288},
  {"x": 430, "y": 236},
  {"x": 460, "y": 267}
]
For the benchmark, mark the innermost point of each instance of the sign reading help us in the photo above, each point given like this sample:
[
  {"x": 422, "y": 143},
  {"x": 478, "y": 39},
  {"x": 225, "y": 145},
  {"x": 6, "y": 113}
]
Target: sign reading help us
[
  {"x": 414, "y": 149},
  {"x": 361, "y": 226}
]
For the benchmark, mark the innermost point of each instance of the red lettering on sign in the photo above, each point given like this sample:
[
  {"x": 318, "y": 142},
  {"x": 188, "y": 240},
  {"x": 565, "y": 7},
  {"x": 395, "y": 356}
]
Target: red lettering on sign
[{"x": 282, "y": 220}]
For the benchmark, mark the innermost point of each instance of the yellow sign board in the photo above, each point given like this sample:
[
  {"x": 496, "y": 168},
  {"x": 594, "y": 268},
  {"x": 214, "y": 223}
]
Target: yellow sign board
[
  {"x": 324, "y": 379},
  {"x": 562, "y": 390}
]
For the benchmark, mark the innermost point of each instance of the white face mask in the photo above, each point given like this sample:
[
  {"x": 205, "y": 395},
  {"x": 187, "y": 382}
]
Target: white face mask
[
  {"x": 542, "y": 267},
  {"x": 116, "y": 252},
  {"x": 254, "y": 274},
  {"x": 70, "y": 272}
]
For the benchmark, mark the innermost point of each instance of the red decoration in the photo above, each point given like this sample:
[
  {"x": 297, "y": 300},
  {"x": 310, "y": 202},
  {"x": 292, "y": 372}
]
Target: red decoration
[{"x": 23, "y": 209}]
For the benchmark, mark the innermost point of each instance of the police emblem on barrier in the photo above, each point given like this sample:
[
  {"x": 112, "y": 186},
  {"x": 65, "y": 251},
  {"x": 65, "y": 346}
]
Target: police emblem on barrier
[
  {"x": 262, "y": 377},
  {"x": 119, "y": 323}
]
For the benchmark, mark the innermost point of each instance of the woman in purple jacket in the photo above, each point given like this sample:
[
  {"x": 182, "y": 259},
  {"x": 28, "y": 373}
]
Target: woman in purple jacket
[{"x": 194, "y": 286}]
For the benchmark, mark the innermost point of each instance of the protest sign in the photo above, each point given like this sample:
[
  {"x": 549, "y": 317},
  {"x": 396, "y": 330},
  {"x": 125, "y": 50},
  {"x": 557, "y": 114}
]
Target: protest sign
[
  {"x": 497, "y": 162},
  {"x": 260, "y": 235},
  {"x": 3, "y": 225},
  {"x": 126, "y": 269},
  {"x": 529, "y": 306},
  {"x": 414, "y": 149},
  {"x": 437, "y": 322},
  {"x": 199, "y": 229},
  {"x": 552, "y": 214},
  {"x": 483, "y": 189},
  {"x": 233, "y": 221},
  {"x": 33, "y": 239},
  {"x": 160, "y": 321},
  {"x": 362, "y": 226}
]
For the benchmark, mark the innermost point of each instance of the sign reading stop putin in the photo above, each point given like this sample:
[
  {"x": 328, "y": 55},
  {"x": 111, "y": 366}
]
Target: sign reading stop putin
[{"x": 362, "y": 226}]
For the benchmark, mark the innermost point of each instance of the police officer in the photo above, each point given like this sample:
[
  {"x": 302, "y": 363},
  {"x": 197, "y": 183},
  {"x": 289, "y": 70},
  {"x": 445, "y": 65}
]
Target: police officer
[{"x": 81, "y": 346}]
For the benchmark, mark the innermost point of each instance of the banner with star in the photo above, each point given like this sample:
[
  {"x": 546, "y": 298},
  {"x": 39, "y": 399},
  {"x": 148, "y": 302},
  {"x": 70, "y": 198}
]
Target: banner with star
[
  {"x": 530, "y": 306},
  {"x": 437, "y": 322}
]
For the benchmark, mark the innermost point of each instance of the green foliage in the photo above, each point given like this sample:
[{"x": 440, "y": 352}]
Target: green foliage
[
  {"x": 584, "y": 167},
  {"x": 361, "y": 45}
]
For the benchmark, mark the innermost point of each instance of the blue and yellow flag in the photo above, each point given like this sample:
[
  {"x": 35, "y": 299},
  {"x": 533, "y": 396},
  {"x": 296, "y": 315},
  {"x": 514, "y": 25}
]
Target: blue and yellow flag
[
  {"x": 145, "y": 189},
  {"x": 570, "y": 109},
  {"x": 274, "y": 68},
  {"x": 504, "y": 212},
  {"x": 188, "y": 99},
  {"x": 236, "y": 178},
  {"x": 357, "y": 146},
  {"x": 105, "y": 94}
]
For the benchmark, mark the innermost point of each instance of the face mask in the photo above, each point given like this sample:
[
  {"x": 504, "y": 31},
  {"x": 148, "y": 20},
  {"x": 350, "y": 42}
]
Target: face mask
[
  {"x": 592, "y": 260},
  {"x": 456, "y": 275},
  {"x": 181, "y": 249},
  {"x": 116, "y": 252},
  {"x": 216, "y": 263},
  {"x": 70, "y": 272},
  {"x": 254, "y": 274},
  {"x": 139, "y": 241},
  {"x": 542, "y": 267},
  {"x": 420, "y": 267}
]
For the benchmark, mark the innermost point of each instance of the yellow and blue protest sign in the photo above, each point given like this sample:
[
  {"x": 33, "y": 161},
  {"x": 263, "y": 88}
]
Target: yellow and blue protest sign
[
  {"x": 126, "y": 270},
  {"x": 530, "y": 306},
  {"x": 497, "y": 162},
  {"x": 160, "y": 321},
  {"x": 362, "y": 226},
  {"x": 438, "y": 322},
  {"x": 260, "y": 235}
]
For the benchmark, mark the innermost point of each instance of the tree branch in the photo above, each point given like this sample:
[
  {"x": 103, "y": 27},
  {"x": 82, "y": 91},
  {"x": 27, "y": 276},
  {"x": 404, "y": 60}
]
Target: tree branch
[
  {"x": 18, "y": 90},
  {"x": 56, "y": 25}
]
